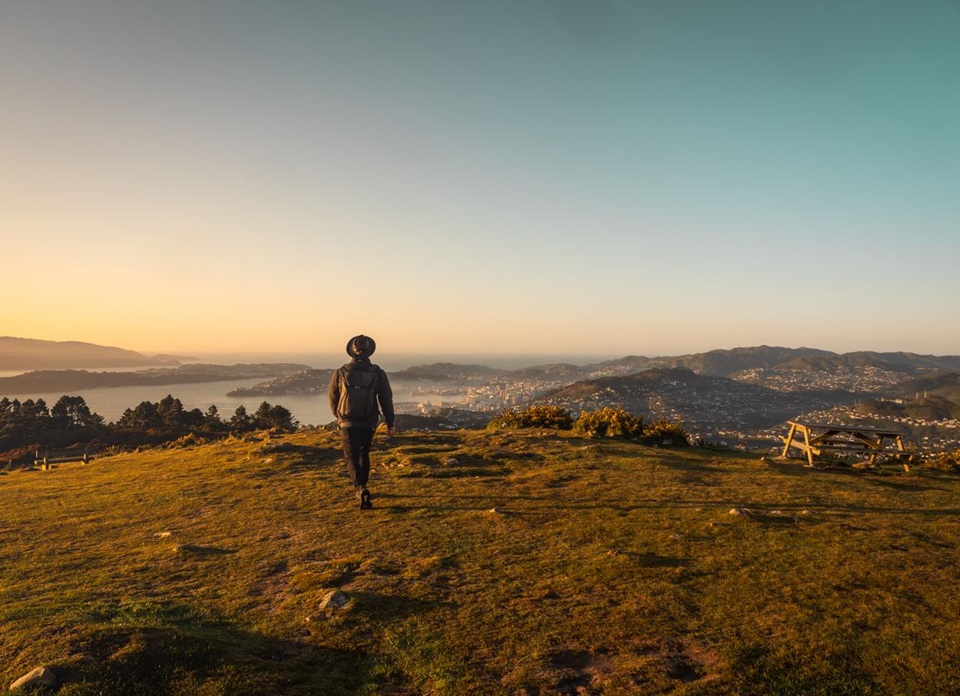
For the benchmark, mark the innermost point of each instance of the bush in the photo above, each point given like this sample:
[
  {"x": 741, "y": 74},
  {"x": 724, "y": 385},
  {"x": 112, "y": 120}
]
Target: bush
[
  {"x": 665, "y": 432},
  {"x": 617, "y": 422},
  {"x": 948, "y": 461},
  {"x": 609, "y": 422},
  {"x": 553, "y": 417}
]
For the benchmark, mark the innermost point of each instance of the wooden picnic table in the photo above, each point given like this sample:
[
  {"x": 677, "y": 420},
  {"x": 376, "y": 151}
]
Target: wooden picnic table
[{"x": 818, "y": 438}]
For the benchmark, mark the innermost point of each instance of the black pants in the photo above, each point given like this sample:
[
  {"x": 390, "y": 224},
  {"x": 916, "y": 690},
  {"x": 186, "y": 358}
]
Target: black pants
[{"x": 356, "y": 452}]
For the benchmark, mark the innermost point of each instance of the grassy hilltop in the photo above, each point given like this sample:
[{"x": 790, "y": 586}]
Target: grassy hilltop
[{"x": 524, "y": 562}]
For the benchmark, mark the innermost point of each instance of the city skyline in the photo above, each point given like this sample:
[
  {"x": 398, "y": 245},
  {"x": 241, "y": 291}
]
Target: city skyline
[{"x": 552, "y": 178}]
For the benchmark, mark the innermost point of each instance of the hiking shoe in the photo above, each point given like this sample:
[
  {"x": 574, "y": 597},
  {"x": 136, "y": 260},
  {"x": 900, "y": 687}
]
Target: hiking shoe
[{"x": 365, "y": 503}]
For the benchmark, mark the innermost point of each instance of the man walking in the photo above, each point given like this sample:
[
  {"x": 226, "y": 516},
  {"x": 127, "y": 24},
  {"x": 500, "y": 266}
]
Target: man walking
[{"x": 358, "y": 392}]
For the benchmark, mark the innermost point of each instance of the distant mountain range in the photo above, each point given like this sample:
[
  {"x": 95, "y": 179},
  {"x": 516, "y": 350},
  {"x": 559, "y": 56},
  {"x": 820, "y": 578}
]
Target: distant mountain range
[
  {"x": 744, "y": 387},
  {"x": 34, "y": 354},
  {"x": 728, "y": 363},
  {"x": 777, "y": 368}
]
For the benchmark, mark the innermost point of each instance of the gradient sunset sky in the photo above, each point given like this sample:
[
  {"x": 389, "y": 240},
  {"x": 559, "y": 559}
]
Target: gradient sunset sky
[{"x": 573, "y": 176}]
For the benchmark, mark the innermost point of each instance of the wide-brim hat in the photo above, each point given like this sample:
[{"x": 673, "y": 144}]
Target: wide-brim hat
[{"x": 361, "y": 346}]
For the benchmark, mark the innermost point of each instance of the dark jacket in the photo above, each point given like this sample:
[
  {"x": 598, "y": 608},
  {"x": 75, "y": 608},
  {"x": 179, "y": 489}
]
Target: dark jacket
[{"x": 384, "y": 395}]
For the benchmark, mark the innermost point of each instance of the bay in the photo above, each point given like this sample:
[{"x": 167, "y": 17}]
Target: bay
[{"x": 308, "y": 409}]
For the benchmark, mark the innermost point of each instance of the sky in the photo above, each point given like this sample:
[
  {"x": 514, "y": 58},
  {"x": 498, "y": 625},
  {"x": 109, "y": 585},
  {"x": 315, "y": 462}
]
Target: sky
[{"x": 554, "y": 177}]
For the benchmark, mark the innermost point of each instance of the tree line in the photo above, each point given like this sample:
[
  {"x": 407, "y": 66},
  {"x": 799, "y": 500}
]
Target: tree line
[{"x": 29, "y": 426}]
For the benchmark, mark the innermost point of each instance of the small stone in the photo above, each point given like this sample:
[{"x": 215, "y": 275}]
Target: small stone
[
  {"x": 494, "y": 511},
  {"x": 452, "y": 461},
  {"x": 41, "y": 676},
  {"x": 162, "y": 535},
  {"x": 735, "y": 511},
  {"x": 335, "y": 599}
]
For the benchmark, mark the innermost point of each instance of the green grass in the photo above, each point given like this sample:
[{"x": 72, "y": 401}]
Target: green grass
[{"x": 493, "y": 563}]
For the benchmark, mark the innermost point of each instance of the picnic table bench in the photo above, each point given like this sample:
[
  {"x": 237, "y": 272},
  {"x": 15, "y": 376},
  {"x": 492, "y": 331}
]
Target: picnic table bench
[{"x": 814, "y": 439}]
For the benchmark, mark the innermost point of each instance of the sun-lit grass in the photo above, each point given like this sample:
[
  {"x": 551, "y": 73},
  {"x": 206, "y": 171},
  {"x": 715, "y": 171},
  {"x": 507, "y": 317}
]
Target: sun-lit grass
[{"x": 494, "y": 562}]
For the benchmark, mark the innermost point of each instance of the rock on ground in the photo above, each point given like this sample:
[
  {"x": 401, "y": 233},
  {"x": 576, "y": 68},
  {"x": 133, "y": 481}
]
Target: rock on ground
[
  {"x": 41, "y": 676},
  {"x": 334, "y": 600}
]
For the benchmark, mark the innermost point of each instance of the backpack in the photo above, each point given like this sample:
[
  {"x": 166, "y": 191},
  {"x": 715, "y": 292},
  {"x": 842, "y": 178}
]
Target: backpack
[{"x": 358, "y": 394}]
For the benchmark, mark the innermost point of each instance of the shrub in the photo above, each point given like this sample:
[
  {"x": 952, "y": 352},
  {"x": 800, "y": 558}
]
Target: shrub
[
  {"x": 615, "y": 421},
  {"x": 554, "y": 417},
  {"x": 188, "y": 440},
  {"x": 665, "y": 432},
  {"x": 609, "y": 422},
  {"x": 948, "y": 461}
]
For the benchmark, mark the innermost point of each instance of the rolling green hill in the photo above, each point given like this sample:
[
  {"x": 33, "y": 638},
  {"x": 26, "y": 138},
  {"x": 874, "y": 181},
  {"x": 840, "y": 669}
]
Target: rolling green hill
[
  {"x": 930, "y": 408},
  {"x": 702, "y": 400},
  {"x": 946, "y": 386},
  {"x": 834, "y": 363},
  {"x": 493, "y": 563},
  {"x": 720, "y": 362}
]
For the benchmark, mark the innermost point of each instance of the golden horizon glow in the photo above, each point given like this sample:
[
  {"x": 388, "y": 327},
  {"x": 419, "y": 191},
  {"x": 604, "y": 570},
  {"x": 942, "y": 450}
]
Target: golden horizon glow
[{"x": 456, "y": 179}]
